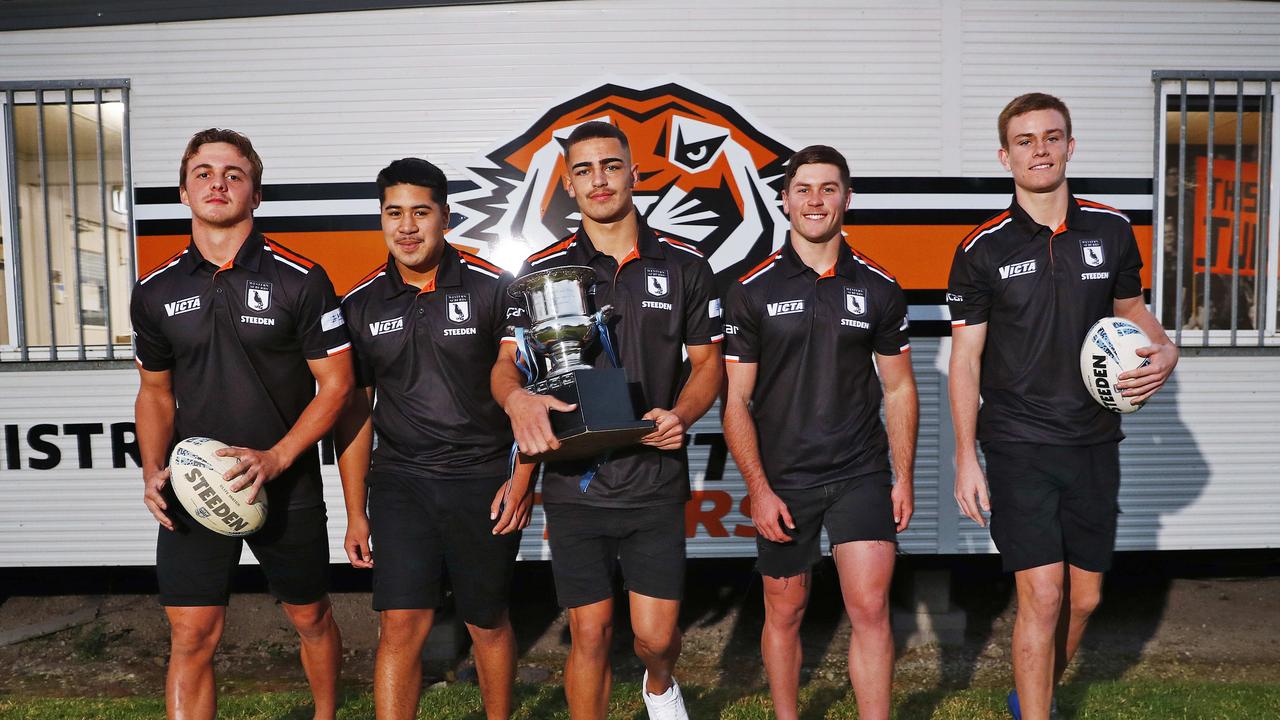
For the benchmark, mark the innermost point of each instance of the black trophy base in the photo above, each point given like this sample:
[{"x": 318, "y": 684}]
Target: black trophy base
[{"x": 604, "y": 419}]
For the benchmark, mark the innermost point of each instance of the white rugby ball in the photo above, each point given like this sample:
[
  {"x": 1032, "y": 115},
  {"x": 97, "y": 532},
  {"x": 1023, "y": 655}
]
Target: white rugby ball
[
  {"x": 197, "y": 476},
  {"x": 1110, "y": 348}
]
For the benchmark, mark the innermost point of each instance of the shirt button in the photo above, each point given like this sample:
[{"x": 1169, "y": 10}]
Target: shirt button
[
  {"x": 421, "y": 311},
  {"x": 219, "y": 291}
]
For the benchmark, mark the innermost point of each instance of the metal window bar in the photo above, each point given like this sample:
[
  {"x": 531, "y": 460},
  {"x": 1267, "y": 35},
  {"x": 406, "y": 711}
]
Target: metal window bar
[
  {"x": 48, "y": 228},
  {"x": 1232, "y": 206},
  {"x": 74, "y": 192},
  {"x": 1235, "y": 214},
  {"x": 1179, "y": 287},
  {"x": 20, "y": 333},
  {"x": 1206, "y": 317},
  {"x": 13, "y": 251},
  {"x": 106, "y": 231},
  {"x": 1266, "y": 149}
]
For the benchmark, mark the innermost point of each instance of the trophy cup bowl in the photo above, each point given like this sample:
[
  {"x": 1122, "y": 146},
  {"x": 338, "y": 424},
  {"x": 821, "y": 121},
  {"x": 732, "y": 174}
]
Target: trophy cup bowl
[{"x": 561, "y": 326}]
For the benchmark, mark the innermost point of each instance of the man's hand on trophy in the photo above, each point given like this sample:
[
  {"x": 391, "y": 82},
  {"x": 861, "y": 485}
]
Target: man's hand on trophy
[
  {"x": 669, "y": 433},
  {"x": 529, "y": 420}
]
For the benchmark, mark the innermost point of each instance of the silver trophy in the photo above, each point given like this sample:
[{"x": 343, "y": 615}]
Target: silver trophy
[
  {"x": 562, "y": 325},
  {"x": 561, "y": 321}
]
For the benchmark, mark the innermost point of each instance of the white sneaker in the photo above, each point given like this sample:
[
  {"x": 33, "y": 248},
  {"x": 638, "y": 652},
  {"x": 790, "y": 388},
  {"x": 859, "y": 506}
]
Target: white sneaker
[{"x": 667, "y": 706}]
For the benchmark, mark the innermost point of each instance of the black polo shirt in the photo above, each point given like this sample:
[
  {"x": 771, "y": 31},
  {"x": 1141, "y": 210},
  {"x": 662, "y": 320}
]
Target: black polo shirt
[
  {"x": 664, "y": 298},
  {"x": 237, "y": 340},
  {"x": 816, "y": 401},
  {"x": 428, "y": 354},
  {"x": 1039, "y": 290}
]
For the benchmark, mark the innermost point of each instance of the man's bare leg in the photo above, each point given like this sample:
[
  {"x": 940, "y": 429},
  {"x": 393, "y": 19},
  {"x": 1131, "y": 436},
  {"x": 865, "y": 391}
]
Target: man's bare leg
[
  {"x": 588, "y": 677},
  {"x": 321, "y": 652},
  {"x": 1084, "y": 592},
  {"x": 194, "y": 633},
  {"x": 397, "y": 673},
  {"x": 1034, "y": 637},
  {"x": 658, "y": 639},
  {"x": 785, "y": 600},
  {"x": 495, "y": 652},
  {"x": 866, "y": 569}
]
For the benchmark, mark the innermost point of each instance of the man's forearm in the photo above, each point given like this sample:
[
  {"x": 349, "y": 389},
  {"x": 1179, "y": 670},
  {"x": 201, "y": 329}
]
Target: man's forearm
[
  {"x": 963, "y": 392},
  {"x": 505, "y": 378},
  {"x": 154, "y": 417},
  {"x": 701, "y": 390},
  {"x": 902, "y": 413},
  {"x": 740, "y": 436}
]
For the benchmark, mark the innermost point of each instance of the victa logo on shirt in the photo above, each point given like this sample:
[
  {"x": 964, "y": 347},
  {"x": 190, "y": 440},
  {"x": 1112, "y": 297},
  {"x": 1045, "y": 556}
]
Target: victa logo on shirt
[
  {"x": 785, "y": 307},
  {"x": 185, "y": 305},
  {"x": 1025, "y": 267},
  {"x": 382, "y": 327}
]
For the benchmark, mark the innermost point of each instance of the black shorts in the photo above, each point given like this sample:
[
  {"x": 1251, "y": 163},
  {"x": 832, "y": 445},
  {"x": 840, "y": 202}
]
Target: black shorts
[
  {"x": 586, "y": 541},
  {"x": 194, "y": 565},
  {"x": 1051, "y": 503},
  {"x": 421, "y": 526},
  {"x": 860, "y": 508}
]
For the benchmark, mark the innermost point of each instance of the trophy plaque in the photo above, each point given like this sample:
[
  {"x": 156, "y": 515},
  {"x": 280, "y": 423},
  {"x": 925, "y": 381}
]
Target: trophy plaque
[{"x": 561, "y": 326}]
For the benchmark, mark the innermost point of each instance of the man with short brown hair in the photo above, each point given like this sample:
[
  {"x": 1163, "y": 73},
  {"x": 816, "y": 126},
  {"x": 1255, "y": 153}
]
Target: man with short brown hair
[
  {"x": 232, "y": 337},
  {"x": 1025, "y": 287}
]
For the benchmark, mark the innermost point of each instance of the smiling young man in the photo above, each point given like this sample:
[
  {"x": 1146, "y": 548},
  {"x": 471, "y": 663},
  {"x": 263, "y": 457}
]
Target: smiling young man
[
  {"x": 813, "y": 332},
  {"x": 232, "y": 337},
  {"x": 426, "y": 328},
  {"x": 1025, "y": 287},
  {"x": 632, "y": 509}
]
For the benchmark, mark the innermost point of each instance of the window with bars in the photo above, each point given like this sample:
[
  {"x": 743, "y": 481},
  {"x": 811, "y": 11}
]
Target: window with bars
[
  {"x": 1216, "y": 235},
  {"x": 66, "y": 239}
]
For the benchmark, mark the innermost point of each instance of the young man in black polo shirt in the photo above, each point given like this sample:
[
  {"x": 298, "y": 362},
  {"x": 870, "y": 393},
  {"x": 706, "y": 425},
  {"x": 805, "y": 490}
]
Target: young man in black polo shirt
[
  {"x": 632, "y": 509},
  {"x": 426, "y": 328},
  {"x": 802, "y": 418},
  {"x": 1025, "y": 287},
  {"x": 232, "y": 336}
]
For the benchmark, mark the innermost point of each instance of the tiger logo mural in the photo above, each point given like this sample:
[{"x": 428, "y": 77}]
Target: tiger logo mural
[{"x": 707, "y": 177}]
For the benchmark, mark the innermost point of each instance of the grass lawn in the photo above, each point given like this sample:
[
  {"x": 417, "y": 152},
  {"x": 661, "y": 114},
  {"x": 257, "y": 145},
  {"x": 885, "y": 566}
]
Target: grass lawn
[{"x": 1138, "y": 700}]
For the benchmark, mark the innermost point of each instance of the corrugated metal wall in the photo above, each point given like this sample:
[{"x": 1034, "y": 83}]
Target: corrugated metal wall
[{"x": 906, "y": 89}]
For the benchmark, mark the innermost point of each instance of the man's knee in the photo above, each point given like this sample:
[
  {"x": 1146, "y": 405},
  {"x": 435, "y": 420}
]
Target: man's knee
[
  {"x": 867, "y": 608},
  {"x": 1041, "y": 598},
  {"x": 313, "y": 620},
  {"x": 592, "y": 635},
  {"x": 658, "y": 643},
  {"x": 404, "y": 628},
  {"x": 1084, "y": 600},
  {"x": 195, "y": 635}
]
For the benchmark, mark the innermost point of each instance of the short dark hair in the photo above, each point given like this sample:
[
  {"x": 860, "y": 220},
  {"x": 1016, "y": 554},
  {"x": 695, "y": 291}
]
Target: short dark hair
[
  {"x": 1024, "y": 104},
  {"x": 230, "y": 137},
  {"x": 596, "y": 130},
  {"x": 817, "y": 155},
  {"x": 414, "y": 171}
]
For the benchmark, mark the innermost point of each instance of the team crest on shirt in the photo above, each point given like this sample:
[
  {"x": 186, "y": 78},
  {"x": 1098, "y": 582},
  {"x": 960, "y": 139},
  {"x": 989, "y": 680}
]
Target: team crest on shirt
[
  {"x": 855, "y": 301},
  {"x": 458, "y": 307},
  {"x": 258, "y": 296},
  {"x": 655, "y": 282},
  {"x": 1092, "y": 250}
]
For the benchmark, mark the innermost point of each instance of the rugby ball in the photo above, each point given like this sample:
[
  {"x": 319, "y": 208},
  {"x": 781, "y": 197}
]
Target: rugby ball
[
  {"x": 196, "y": 473},
  {"x": 1110, "y": 348}
]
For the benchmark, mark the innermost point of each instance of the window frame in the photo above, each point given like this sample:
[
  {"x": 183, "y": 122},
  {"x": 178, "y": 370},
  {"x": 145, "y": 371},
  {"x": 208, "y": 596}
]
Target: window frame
[
  {"x": 15, "y": 346},
  {"x": 1201, "y": 85}
]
